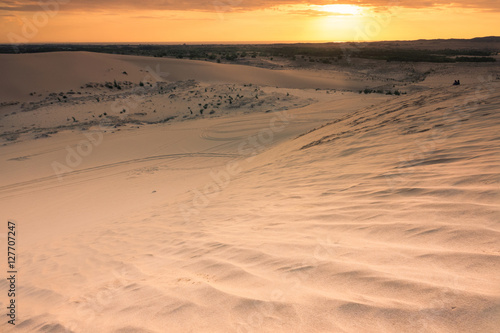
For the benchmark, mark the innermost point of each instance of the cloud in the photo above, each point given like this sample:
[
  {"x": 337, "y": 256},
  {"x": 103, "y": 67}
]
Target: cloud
[
  {"x": 229, "y": 5},
  {"x": 315, "y": 13},
  {"x": 170, "y": 18}
]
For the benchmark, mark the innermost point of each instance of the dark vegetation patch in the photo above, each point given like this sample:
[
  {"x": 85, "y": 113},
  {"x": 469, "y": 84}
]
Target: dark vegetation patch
[{"x": 326, "y": 53}]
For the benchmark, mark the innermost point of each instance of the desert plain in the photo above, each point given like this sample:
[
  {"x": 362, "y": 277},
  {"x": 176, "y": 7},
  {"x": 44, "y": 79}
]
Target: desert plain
[{"x": 174, "y": 195}]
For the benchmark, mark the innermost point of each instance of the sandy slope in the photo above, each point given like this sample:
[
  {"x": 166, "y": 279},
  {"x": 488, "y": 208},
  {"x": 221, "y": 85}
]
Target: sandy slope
[
  {"x": 348, "y": 213},
  {"x": 43, "y": 73}
]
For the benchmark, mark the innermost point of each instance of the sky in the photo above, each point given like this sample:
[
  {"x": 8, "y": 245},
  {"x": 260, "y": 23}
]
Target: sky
[{"x": 156, "y": 21}]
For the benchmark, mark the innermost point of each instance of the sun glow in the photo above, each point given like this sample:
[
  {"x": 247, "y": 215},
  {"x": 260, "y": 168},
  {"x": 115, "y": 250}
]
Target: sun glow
[
  {"x": 340, "y": 9},
  {"x": 286, "y": 22}
]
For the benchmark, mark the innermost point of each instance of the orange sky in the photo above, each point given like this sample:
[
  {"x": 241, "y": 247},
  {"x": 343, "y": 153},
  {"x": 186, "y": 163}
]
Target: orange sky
[{"x": 239, "y": 20}]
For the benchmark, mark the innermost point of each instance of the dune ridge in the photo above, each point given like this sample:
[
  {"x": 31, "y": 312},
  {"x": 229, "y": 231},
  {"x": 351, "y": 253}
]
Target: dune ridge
[{"x": 48, "y": 72}]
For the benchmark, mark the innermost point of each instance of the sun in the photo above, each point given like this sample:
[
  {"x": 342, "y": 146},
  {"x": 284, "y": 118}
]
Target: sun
[{"x": 341, "y": 9}]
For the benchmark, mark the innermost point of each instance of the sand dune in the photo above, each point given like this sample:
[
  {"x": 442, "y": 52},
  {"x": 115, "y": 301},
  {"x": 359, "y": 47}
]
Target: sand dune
[
  {"x": 49, "y": 72},
  {"x": 343, "y": 213}
]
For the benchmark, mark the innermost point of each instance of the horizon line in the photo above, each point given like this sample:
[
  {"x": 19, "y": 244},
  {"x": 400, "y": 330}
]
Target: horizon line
[{"x": 248, "y": 42}]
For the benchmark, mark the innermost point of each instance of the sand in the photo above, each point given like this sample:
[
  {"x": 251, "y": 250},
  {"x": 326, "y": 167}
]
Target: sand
[{"x": 299, "y": 210}]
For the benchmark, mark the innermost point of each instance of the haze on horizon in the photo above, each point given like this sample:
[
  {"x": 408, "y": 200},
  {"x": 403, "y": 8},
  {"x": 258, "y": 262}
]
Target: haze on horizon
[{"x": 32, "y": 21}]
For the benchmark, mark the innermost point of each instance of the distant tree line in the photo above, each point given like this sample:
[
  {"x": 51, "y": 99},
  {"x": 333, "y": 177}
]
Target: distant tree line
[{"x": 326, "y": 53}]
